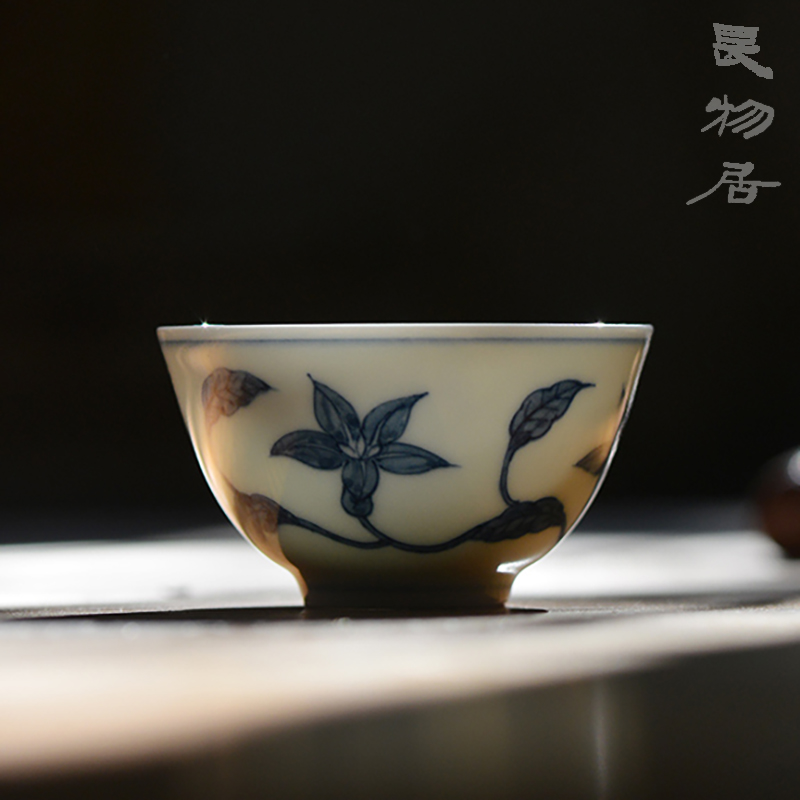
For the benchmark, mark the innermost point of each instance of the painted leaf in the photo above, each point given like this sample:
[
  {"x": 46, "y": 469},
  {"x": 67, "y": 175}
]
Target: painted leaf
[
  {"x": 225, "y": 391},
  {"x": 314, "y": 448},
  {"x": 407, "y": 459},
  {"x": 540, "y": 410},
  {"x": 258, "y": 516},
  {"x": 594, "y": 461},
  {"x": 258, "y": 510},
  {"x": 335, "y": 415},
  {"x": 360, "y": 477},
  {"x": 387, "y": 422},
  {"x": 520, "y": 519}
]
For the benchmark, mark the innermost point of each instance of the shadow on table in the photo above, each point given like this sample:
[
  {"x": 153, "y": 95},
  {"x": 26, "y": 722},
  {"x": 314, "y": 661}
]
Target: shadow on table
[
  {"x": 561, "y": 611},
  {"x": 257, "y": 615}
]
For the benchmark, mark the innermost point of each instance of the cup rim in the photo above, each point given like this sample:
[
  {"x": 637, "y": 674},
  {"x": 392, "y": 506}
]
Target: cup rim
[{"x": 206, "y": 332}]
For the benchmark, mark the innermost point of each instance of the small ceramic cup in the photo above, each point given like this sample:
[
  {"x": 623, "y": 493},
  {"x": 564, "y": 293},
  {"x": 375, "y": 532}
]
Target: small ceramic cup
[{"x": 405, "y": 465}]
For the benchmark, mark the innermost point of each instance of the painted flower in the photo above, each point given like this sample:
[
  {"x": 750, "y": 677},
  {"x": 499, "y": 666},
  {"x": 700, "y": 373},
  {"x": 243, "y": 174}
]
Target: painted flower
[{"x": 360, "y": 448}]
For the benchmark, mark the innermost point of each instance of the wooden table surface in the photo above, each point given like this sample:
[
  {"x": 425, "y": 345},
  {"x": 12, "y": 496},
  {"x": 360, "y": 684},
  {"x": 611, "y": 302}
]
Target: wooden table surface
[{"x": 185, "y": 665}]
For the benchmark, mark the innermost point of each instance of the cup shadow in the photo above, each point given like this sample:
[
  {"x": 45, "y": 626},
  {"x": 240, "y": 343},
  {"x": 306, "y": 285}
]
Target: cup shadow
[{"x": 267, "y": 614}]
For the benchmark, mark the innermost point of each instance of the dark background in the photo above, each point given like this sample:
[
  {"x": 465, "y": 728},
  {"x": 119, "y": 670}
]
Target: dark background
[{"x": 172, "y": 162}]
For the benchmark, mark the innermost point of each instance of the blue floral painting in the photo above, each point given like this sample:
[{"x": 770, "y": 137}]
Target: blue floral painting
[
  {"x": 364, "y": 448},
  {"x": 361, "y": 449}
]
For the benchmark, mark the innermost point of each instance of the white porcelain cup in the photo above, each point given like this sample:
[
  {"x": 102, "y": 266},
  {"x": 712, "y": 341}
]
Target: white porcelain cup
[{"x": 405, "y": 465}]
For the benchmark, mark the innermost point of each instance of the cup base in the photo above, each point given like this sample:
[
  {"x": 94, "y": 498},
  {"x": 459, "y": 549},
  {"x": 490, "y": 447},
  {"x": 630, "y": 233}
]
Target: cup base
[{"x": 467, "y": 599}]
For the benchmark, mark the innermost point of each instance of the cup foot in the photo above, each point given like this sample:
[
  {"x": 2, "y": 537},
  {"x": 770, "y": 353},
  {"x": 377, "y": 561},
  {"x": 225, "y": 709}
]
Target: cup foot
[{"x": 468, "y": 600}]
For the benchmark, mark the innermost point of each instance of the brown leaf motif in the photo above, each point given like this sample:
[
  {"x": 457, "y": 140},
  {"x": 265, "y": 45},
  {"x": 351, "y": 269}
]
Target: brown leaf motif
[
  {"x": 225, "y": 391},
  {"x": 257, "y": 514},
  {"x": 594, "y": 461}
]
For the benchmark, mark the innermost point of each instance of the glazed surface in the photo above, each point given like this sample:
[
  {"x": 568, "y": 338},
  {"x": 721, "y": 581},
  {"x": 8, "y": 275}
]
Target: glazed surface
[{"x": 413, "y": 465}]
